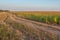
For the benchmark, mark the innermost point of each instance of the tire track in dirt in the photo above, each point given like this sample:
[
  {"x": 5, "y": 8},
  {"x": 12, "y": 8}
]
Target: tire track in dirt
[{"x": 28, "y": 23}]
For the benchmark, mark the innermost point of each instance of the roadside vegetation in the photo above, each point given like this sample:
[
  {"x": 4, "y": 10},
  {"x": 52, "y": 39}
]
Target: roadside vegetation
[
  {"x": 47, "y": 17},
  {"x": 7, "y": 33}
]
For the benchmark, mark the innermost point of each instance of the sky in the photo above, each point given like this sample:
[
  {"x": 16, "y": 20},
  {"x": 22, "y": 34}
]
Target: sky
[{"x": 22, "y": 5}]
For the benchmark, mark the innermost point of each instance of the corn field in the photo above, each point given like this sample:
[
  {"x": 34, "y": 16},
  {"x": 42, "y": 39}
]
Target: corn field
[{"x": 40, "y": 17}]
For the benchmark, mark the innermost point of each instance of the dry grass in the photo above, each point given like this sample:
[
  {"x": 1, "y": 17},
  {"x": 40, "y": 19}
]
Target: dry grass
[
  {"x": 41, "y": 13},
  {"x": 3, "y": 16}
]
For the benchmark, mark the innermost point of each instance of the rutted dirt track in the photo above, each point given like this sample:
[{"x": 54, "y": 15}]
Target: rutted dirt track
[{"x": 52, "y": 31}]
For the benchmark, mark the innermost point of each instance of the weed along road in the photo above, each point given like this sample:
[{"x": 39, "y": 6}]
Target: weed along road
[{"x": 48, "y": 32}]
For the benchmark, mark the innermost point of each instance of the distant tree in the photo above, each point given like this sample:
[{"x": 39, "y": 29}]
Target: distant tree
[{"x": 4, "y": 10}]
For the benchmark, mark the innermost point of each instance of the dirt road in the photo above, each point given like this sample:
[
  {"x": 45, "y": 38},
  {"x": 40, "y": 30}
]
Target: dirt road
[{"x": 54, "y": 31}]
